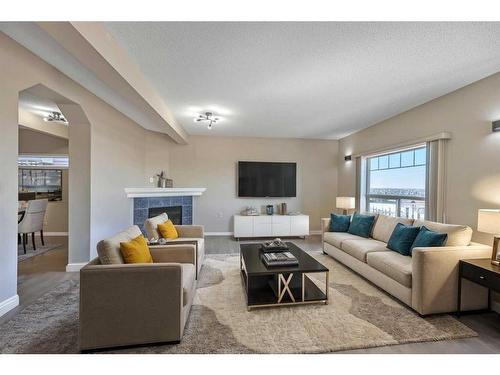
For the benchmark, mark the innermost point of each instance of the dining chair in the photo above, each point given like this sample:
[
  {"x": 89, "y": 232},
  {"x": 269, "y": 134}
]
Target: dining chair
[{"x": 32, "y": 221}]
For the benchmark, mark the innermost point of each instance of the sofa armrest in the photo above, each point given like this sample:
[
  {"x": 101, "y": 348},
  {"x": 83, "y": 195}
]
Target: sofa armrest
[
  {"x": 325, "y": 226},
  {"x": 192, "y": 231},
  {"x": 435, "y": 277},
  {"x": 175, "y": 253},
  {"x": 128, "y": 304}
]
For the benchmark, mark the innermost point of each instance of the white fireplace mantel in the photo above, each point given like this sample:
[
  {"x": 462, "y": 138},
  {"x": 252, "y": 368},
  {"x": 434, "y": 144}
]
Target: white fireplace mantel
[{"x": 147, "y": 192}]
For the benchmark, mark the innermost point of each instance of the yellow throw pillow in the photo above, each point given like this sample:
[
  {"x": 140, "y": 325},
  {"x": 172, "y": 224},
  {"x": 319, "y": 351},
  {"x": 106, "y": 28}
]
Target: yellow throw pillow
[
  {"x": 136, "y": 251},
  {"x": 167, "y": 230}
]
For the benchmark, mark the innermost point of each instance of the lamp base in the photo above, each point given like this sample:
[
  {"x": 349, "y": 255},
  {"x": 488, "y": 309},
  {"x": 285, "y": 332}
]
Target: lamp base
[{"x": 494, "y": 260}]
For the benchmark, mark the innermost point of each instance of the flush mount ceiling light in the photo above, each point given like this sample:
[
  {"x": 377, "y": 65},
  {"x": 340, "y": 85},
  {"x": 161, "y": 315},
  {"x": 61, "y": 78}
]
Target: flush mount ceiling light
[
  {"x": 55, "y": 117},
  {"x": 207, "y": 118}
]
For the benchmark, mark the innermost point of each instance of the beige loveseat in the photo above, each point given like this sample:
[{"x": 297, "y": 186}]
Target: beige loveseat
[
  {"x": 131, "y": 304},
  {"x": 428, "y": 280},
  {"x": 188, "y": 234}
]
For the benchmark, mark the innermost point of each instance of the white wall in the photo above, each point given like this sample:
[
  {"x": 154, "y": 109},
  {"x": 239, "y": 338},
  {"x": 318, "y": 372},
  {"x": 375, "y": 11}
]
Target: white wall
[
  {"x": 473, "y": 153},
  {"x": 8, "y": 200},
  {"x": 117, "y": 157},
  {"x": 211, "y": 162}
]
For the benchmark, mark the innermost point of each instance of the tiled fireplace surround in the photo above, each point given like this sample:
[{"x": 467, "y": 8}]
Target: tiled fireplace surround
[{"x": 142, "y": 206}]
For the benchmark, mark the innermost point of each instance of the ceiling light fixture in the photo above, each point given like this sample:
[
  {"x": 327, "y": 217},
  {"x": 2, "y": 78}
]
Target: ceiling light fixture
[
  {"x": 208, "y": 118},
  {"x": 55, "y": 117}
]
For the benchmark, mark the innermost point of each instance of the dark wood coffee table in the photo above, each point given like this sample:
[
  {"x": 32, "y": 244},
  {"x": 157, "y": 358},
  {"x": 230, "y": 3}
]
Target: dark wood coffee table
[{"x": 280, "y": 286}]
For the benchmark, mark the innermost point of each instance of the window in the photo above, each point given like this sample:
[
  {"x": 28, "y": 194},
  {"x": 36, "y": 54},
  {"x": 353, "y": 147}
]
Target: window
[
  {"x": 40, "y": 183},
  {"x": 395, "y": 183}
]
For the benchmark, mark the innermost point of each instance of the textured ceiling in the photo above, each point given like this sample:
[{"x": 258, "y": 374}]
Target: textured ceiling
[{"x": 306, "y": 80}]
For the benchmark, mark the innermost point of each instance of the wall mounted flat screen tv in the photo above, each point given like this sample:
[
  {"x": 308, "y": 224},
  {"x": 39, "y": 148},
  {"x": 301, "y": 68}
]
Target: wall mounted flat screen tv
[{"x": 267, "y": 179}]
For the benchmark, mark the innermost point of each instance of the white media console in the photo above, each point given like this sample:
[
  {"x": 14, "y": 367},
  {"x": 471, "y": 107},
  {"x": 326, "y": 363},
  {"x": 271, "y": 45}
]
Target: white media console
[{"x": 271, "y": 226}]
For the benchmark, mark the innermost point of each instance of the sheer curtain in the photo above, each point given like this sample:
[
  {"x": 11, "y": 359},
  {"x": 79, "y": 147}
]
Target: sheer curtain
[{"x": 435, "y": 209}]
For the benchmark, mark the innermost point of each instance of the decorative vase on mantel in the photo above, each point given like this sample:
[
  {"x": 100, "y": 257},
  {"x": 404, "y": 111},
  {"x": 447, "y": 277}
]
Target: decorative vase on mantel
[{"x": 163, "y": 181}]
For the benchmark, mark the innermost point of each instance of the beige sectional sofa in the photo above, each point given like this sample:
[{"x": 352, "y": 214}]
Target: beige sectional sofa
[
  {"x": 131, "y": 304},
  {"x": 428, "y": 280}
]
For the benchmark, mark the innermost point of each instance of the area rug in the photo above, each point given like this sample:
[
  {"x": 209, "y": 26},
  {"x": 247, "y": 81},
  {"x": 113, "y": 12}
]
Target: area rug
[
  {"x": 30, "y": 253},
  {"x": 359, "y": 315}
]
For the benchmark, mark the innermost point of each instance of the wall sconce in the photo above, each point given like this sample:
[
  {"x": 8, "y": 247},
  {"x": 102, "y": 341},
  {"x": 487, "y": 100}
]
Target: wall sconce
[
  {"x": 349, "y": 157},
  {"x": 495, "y": 126}
]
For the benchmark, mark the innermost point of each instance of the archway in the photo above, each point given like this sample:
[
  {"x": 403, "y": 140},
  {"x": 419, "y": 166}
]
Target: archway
[{"x": 79, "y": 194}]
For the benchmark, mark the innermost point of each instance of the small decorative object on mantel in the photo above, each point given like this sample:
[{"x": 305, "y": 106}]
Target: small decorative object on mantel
[
  {"x": 163, "y": 181},
  {"x": 488, "y": 221}
]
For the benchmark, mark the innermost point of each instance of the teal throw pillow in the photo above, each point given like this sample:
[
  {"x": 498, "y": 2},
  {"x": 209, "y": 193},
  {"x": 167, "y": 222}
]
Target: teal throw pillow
[
  {"x": 361, "y": 225},
  {"x": 429, "y": 238},
  {"x": 402, "y": 238},
  {"x": 339, "y": 223}
]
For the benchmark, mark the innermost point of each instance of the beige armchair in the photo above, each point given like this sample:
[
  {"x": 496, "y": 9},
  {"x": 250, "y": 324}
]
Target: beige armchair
[
  {"x": 132, "y": 304},
  {"x": 188, "y": 234}
]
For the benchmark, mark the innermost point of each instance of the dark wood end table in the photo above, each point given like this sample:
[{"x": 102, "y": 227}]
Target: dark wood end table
[{"x": 479, "y": 271}]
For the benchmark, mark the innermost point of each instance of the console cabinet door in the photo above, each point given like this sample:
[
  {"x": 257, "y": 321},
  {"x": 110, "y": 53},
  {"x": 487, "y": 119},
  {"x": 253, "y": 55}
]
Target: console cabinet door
[
  {"x": 299, "y": 225},
  {"x": 281, "y": 226},
  {"x": 262, "y": 226},
  {"x": 243, "y": 226}
]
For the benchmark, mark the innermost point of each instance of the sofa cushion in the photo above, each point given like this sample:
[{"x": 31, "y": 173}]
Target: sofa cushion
[
  {"x": 336, "y": 238},
  {"x": 339, "y": 223},
  {"x": 151, "y": 225},
  {"x": 393, "y": 265},
  {"x": 384, "y": 226},
  {"x": 360, "y": 247},
  {"x": 428, "y": 238},
  {"x": 167, "y": 230},
  {"x": 361, "y": 225},
  {"x": 402, "y": 238},
  {"x": 108, "y": 250},
  {"x": 458, "y": 235},
  {"x": 136, "y": 251},
  {"x": 188, "y": 279}
]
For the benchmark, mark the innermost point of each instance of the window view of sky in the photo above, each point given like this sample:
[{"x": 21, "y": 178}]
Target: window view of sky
[
  {"x": 401, "y": 170},
  {"x": 399, "y": 178}
]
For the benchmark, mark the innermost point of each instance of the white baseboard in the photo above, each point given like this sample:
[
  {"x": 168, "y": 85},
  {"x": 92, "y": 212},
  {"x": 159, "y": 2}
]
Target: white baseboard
[
  {"x": 314, "y": 232},
  {"x": 8, "y": 304},
  {"x": 55, "y": 234},
  {"x": 218, "y": 233},
  {"x": 74, "y": 267}
]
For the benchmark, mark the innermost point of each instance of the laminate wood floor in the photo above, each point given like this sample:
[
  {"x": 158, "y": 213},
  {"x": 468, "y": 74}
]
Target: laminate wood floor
[{"x": 40, "y": 274}]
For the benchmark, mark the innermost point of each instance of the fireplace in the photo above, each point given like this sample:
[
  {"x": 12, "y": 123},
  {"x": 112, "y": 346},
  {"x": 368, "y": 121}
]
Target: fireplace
[
  {"x": 174, "y": 213},
  {"x": 179, "y": 209}
]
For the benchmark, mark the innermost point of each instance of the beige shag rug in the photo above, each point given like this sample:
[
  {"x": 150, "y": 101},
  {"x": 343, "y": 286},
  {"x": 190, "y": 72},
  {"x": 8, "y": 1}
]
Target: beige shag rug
[{"x": 359, "y": 315}]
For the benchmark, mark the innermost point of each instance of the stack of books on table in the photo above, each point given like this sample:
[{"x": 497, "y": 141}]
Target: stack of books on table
[{"x": 279, "y": 259}]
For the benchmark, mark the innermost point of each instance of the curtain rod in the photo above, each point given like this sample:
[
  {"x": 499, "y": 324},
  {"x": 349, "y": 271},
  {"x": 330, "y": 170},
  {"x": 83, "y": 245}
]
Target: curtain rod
[{"x": 434, "y": 137}]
